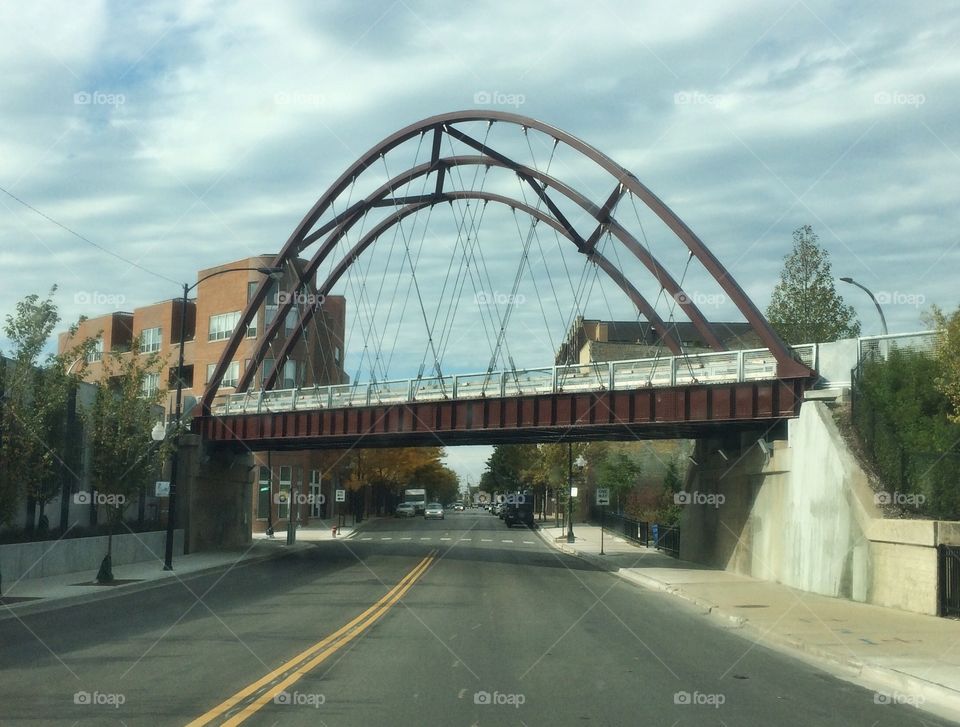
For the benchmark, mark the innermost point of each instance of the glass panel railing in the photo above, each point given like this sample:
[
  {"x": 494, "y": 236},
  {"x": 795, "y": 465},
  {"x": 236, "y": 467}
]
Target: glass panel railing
[
  {"x": 707, "y": 368},
  {"x": 529, "y": 381},
  {"x": 389, "y": 392},
  {"x": 344, "y": 395},
  {"x": 433, "y": 388},
  {"x": 583, "y": 377},
  {"x": 642, "y": 372},
  {"x": 475, "y": 386}
]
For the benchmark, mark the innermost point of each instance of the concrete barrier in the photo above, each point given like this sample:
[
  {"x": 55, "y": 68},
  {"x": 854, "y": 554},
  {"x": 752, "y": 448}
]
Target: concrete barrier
[{"x": 70, "y": 555}]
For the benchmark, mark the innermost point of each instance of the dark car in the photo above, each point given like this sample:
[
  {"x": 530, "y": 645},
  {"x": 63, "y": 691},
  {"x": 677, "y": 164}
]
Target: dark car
[{"x": 518, "y": 509}]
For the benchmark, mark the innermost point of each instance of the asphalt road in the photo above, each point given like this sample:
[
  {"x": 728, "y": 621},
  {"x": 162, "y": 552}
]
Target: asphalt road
[{"x": 411, "y": 622}]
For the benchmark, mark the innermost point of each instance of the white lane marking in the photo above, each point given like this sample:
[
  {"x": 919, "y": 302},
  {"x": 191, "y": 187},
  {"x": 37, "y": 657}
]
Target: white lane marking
[
  {"x": 366, "y": 538},
  {"x": 528, "y": 542},
  {"x": 424, "y": 538},
  {"x": 506, "y": 541},
  {"x": 406, "y": 538},
  {"x": 386, "y": 538},
  {"x": 444, "y": 538},
  {"x": 467, "y": 539},
  {"x": 485, "y": 540}
]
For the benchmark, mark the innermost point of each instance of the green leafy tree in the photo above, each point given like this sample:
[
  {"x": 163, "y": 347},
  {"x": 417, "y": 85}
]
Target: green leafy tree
[
  {"x": 805, "y": 307},
  {"x": 119, "y": 424},
  {"x": 620, "y": 473},
  {"x": 948, "y": 358}
]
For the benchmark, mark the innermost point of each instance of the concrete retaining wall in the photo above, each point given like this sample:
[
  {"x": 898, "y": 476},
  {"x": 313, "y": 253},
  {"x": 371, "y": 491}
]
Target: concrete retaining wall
[
  {"x": 805, "y": 516},
  {"x": 56, "y": 557}
]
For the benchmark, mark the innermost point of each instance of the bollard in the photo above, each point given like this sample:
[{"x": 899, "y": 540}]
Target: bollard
[{"x": 334, "y": 531}]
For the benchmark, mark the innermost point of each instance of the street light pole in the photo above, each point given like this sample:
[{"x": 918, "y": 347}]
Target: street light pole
[
  {"x": 883, "y": 321},
  {"x": 172, "y": 499},
  {"x": 570, "y": 536}
]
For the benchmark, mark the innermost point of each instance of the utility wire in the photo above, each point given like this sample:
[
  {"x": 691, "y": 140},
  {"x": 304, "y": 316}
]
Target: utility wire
[{"x": 87, "y": 240}]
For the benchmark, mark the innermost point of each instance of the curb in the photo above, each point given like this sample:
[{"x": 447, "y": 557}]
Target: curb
[
  {"x": 43, "y": 605},
  {"x": 944, "y": 701}
]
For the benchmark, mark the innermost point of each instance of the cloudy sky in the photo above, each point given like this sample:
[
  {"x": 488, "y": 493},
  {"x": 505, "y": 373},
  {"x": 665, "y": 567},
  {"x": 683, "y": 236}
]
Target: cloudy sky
[{"x": 183, "y": 135}]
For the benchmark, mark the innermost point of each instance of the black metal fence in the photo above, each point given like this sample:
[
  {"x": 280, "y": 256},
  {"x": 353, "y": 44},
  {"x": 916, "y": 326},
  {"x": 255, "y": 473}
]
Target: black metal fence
[
  {"x": 662, "y": 537},
  {"x": 667, "y": 539},
  {"x": 635, "y": 530},
  {"x": 948, "y": 580}
]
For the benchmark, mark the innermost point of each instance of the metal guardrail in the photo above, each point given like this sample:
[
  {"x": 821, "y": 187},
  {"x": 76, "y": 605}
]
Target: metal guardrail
[
  {"x": 880, "y": 346},
  {"x": 667, "y": 539},
  {"x": 700, "y": 368}
]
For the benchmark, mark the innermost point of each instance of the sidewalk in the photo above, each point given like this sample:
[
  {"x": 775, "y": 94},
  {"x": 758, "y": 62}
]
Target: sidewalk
[
  {"x": 34, "y": 595},
  {"x": 905, "y": 657},
  {"x": 311, "y": 533}
]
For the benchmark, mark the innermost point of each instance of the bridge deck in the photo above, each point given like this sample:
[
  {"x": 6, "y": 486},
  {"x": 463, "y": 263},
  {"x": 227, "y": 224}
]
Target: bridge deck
[{"x": 661, "y": 372}]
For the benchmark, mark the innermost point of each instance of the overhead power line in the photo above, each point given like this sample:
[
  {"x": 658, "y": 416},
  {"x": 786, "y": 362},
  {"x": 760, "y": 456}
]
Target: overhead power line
[{"x": 87, "y": 240}]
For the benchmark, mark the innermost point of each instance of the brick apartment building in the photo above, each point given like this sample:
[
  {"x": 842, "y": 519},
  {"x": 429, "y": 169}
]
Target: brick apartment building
[
  {"x": 591, "y": 340},
  {"x": 211, "y": 317}
]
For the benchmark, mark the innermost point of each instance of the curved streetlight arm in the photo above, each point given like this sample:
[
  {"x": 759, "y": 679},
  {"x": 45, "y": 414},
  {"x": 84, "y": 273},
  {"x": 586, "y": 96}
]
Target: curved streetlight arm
[{"x": 883, "y": 320}]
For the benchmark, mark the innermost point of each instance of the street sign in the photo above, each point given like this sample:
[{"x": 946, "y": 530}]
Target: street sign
[
  {"x": 603, "y": 495},
  {"x": 341, "y": 496},
  {"x": 163, "y": 488}
]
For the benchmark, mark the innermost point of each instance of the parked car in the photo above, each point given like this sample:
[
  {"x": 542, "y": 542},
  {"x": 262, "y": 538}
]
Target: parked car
[
  {"x": 433, "y": 510},
  {"x": 405, "y": 509}
]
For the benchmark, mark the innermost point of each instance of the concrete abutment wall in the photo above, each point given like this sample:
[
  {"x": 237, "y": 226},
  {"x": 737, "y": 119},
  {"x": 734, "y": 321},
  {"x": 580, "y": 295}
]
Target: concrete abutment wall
[{"x": 804, "y": 515}]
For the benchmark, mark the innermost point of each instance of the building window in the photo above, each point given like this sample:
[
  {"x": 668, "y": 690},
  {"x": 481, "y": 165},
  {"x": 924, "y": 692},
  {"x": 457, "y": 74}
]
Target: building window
[
  {"x": 293, "y": 317},
  {"x": 96, "y": 353},
  {"x": 150, "y": 385},
  {"x": 289, "y": 375},
  {"x": 272, "y": 303},
  {"x": 337, "y": 354},
  {"x": 263, "y": 494},
  {"x": 266, "y": 369},
  {"x": 230, "y": 377},
  {"x": 150, "y": 340},
  {"x": 252, "y": 328},
  {"x": 286, "y": 480},
  {"x": 221, "y": 326}
]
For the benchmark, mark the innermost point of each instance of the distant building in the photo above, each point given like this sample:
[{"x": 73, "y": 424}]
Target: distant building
[
  {"x": 211, "y": 317},
  {"x": 595, "y": 340}
]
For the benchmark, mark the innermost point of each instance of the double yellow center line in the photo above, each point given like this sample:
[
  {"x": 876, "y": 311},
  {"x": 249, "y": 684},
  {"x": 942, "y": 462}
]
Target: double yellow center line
[{"x": 291, "y": 671}]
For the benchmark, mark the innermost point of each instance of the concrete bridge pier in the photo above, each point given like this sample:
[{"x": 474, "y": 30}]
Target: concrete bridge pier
[{"x": 214, "y": 498}]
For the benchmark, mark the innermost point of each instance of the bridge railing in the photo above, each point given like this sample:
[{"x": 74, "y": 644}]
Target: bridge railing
[{"x": 698, "y": 368}]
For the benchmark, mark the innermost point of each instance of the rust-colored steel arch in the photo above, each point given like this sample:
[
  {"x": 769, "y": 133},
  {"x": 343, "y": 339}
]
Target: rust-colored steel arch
[
  {"x": 625, "y": 181},
  {"x": 398, "y": 215},
  {"x": 539, "y": 181}
]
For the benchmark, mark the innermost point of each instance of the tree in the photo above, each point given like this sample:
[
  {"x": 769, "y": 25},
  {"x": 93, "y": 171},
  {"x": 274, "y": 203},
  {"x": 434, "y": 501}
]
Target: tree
[
  {"x": 948, "y": 357},
  {"x": 119, "y": 423},
  {"x": 805, "y": 307},
  {"x": 619, "y": 473}
]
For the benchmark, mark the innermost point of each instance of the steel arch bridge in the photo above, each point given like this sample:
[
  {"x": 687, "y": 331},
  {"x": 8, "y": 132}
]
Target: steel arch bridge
[{"x": 326, "y": 228}]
